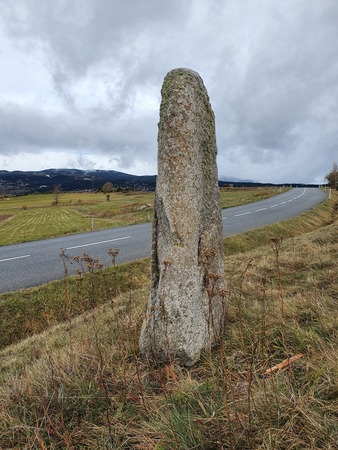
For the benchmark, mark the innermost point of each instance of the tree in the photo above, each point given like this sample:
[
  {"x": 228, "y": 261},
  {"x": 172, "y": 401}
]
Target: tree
[
  {"x": 332, "y": 177},
  {"x": 56, "y": 193},
  {"x": 107, "y": 188}
]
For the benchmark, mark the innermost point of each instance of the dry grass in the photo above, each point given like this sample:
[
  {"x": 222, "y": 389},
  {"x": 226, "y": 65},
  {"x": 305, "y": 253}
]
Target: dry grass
[{"x": 81, "y": 383}]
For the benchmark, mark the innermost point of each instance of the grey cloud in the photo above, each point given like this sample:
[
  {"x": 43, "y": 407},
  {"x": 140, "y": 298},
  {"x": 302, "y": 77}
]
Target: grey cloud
[
  {"x": 79, "y": 34},
  {"x": 270, "y": 69},
  {"x": 135, "y": 42},
  {"x": 30, "y": 131},
  {"x": 284, "y": 80}
]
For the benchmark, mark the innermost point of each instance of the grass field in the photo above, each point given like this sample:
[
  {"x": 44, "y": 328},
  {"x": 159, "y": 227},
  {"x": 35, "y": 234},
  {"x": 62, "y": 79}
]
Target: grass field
[
  {"x": 74, "y": 378},
  {"x": 33, "y": 217}
]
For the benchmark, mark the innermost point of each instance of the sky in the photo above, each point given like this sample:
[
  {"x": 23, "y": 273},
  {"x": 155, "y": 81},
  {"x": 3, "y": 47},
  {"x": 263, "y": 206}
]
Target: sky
[{"x": 80, "y": 83}]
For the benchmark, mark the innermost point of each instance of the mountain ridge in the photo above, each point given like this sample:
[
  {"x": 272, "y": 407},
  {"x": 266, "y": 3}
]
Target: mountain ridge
[{"x": 20, "y": 182}]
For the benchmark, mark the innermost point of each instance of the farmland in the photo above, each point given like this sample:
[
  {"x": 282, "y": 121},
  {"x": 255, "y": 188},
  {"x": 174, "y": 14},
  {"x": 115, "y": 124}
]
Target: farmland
[{"x": 37, "y": 216}]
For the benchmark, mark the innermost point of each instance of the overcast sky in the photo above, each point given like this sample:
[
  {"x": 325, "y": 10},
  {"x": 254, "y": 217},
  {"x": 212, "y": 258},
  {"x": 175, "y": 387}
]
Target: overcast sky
[{"x": 80, "y": 83}]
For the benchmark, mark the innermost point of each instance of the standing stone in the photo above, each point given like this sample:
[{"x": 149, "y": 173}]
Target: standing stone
[{"x": 186, "y": 308}]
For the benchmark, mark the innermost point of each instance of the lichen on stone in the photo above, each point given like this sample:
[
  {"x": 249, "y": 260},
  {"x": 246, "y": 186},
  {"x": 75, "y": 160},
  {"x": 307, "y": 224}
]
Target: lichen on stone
[{"x": 186, "y": 309}]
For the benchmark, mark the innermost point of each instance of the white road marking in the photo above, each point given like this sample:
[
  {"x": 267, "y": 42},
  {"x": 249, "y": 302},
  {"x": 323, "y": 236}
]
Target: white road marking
[
  {"x": 243, "y": 214},
  {"x": 223, "y": 218},
  {"x": 98, "y": 243},
  {"x": 15, "y": 257},
  {"x": 272, "y": 206}
]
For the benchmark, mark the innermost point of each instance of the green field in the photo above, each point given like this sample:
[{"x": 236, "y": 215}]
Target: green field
[{"x": 33, "y": 217}]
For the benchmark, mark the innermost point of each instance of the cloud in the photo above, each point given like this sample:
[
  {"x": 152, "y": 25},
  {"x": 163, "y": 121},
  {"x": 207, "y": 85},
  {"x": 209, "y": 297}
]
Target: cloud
[{"x": 83, "y": 78}]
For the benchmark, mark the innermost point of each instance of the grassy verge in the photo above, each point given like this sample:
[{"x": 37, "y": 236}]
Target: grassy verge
[
  {"x": 30, "y": 311},
  {"x": 323, "y": 214},
  {"x": 81, "y": 384},
  {"x": 230, "y": 197},
  {"x": 32, "y": 217}
]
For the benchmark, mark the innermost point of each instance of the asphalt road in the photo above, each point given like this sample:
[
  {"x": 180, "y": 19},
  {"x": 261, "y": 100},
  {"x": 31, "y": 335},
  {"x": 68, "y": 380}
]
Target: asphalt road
[{"x": 38, "y": 262}]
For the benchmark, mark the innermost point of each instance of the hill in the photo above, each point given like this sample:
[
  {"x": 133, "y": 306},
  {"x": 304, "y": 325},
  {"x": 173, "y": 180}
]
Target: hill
[
  {"x": 20, "y": 182},
  {"x": 70, "y": 180}
]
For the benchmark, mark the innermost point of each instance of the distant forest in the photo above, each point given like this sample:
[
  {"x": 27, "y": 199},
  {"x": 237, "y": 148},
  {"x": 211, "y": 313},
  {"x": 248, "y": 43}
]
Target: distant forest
[{"x": 67, "y": 180}]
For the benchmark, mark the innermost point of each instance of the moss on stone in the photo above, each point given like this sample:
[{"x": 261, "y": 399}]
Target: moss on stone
[{"x": 188, "y": 225}]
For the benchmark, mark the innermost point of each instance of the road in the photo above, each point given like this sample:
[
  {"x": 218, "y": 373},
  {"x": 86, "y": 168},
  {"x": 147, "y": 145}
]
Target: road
[{"x": 38, "y": 262}]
